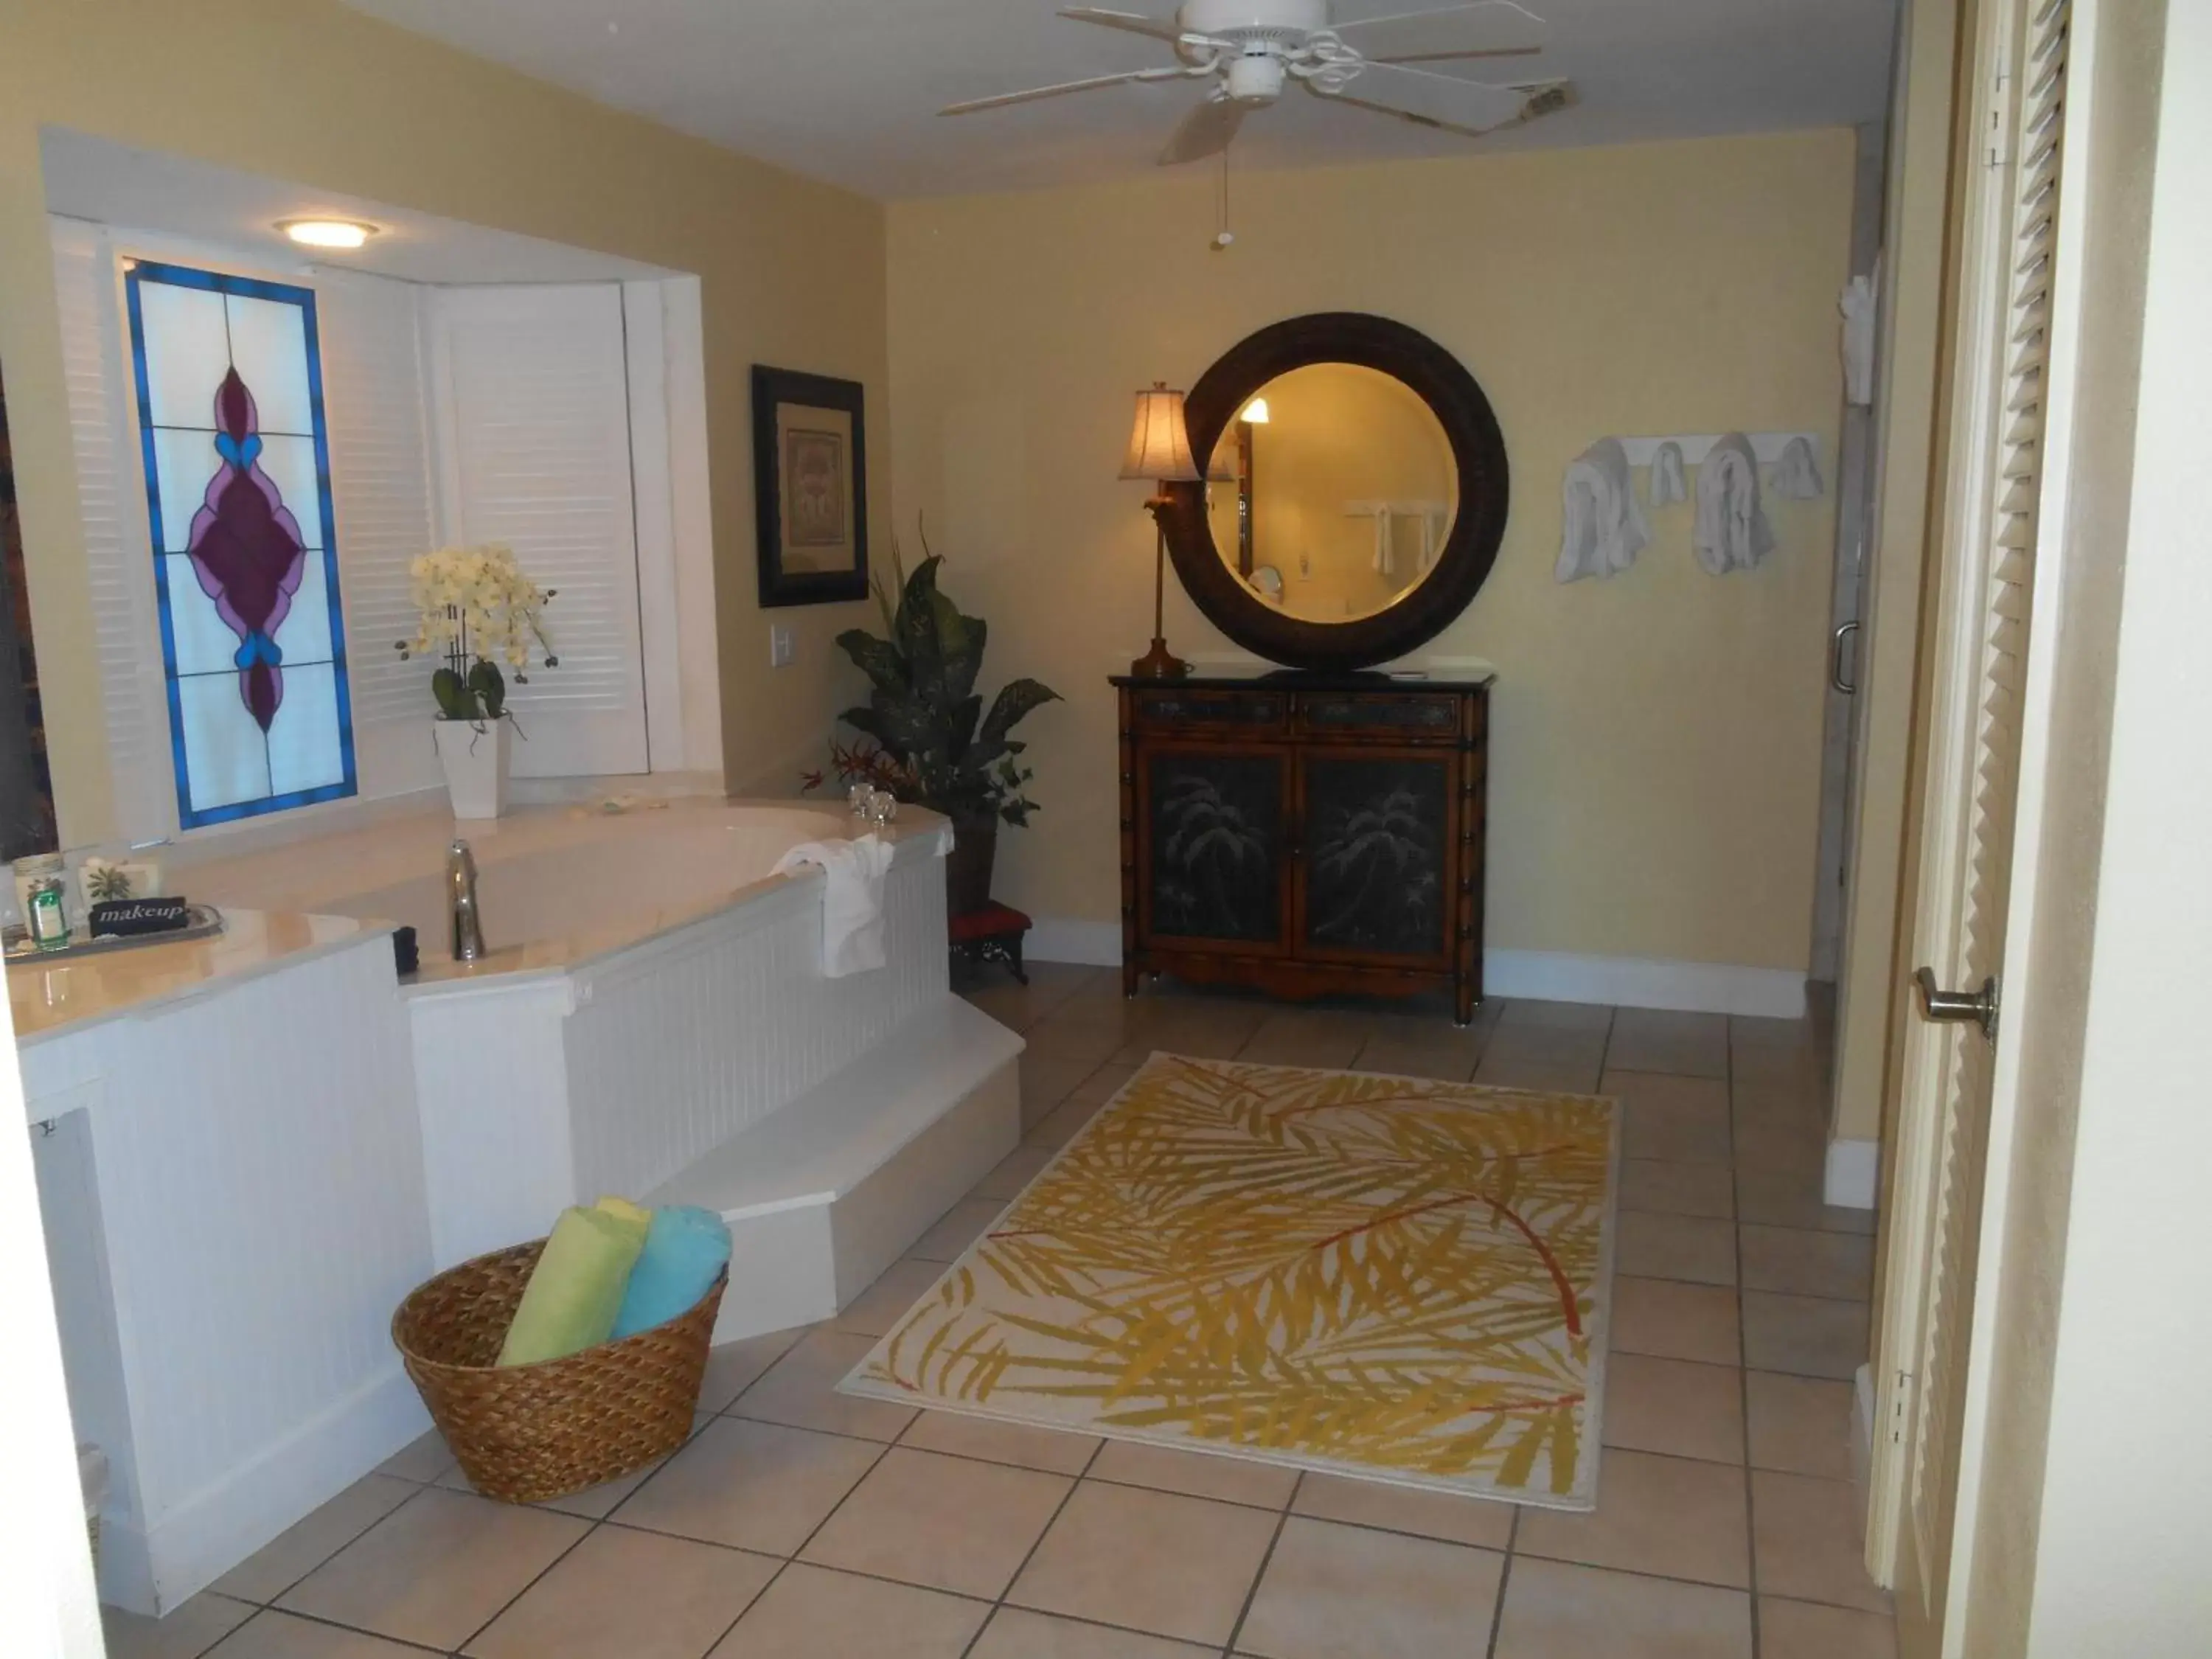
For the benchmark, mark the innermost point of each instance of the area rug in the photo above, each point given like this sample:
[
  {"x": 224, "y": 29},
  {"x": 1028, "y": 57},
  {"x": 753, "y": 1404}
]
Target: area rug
[{"x": 1391, "y": 1278}]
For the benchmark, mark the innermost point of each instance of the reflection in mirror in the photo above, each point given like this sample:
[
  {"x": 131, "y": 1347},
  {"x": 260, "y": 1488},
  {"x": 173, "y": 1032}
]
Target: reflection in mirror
[
  {"x": 1333, "y": 492},
  {"x": 26, "y": 796}
]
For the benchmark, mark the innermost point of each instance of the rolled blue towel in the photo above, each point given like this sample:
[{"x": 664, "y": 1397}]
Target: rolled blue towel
[{"x": 685, "y": 1250}]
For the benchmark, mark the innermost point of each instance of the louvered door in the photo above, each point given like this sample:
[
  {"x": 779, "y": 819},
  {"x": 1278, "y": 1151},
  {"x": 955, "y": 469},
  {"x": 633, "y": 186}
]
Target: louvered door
[
  {"x": 1993, "y": 521},
  {"x": 534, "y": 412}
]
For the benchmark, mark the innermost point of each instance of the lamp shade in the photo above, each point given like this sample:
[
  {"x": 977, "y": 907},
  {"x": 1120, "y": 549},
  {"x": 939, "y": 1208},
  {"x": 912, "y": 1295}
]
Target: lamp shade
[{"x": 1159, "y": 445}]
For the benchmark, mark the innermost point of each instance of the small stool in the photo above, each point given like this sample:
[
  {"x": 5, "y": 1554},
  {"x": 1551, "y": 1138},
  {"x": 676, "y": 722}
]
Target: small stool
[{"x": 993, "y": 933}]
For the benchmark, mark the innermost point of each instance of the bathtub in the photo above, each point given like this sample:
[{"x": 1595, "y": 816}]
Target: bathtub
[{"x": 650, "y": 1019}]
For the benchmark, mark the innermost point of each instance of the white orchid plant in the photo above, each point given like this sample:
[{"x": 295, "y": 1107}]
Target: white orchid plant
[{"x": 475, "y": 608}]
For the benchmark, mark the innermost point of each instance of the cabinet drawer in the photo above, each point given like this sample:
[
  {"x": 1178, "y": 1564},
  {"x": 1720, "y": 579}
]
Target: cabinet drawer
[
  {"x": 1252, "y": 714},
  {"x": 1407, "y": 717}
]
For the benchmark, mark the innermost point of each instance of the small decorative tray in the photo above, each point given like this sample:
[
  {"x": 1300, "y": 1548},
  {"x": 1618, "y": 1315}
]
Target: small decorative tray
[{"x": 205, "y": 922}]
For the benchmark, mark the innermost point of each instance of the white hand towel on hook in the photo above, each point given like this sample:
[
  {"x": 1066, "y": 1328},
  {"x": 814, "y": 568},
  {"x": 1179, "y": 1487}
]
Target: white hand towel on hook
[
  {"x": 1797, "y": 474},
  {"x": 852, "y": 900},
  {"x": 1732, "y": 533},
  {"x": 1603, "y": 529},
  {"x": 1669, "y": 483}
]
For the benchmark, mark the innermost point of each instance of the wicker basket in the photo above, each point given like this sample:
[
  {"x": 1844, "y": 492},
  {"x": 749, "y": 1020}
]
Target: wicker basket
[{"x": 524, "y": 1433}]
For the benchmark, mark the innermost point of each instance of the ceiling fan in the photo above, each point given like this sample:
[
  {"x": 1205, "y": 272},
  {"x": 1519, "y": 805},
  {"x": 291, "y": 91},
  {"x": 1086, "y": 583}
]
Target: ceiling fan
[{"x": 1248, "y": 51}]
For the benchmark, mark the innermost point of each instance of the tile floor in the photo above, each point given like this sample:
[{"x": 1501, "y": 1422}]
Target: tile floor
[{"x": 797, "y": 1522}]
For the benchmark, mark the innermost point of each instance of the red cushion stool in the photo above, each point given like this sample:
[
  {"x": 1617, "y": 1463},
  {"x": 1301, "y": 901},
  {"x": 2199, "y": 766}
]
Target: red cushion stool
[{"x": 993, "y": 933}]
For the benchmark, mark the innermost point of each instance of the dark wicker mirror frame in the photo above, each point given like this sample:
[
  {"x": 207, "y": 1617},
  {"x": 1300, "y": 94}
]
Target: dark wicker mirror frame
[{"x": 1438, "y": 379}]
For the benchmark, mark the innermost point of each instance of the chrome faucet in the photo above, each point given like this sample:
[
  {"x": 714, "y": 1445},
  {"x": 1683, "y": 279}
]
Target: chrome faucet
[{"x": 461, "y": 903}]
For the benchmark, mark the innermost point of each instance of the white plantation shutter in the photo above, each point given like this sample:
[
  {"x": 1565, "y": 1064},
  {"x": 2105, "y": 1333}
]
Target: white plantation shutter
[
  {"x": 2026, "y": 157},
  {"x": 118, "y": 554},
  {"x": 534, "y": 409},
  {"x": 375, "y": 404}
]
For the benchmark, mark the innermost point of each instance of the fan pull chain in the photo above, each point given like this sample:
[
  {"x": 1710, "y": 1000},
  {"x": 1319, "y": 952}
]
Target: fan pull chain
[{"x": 1224, "y": 237}]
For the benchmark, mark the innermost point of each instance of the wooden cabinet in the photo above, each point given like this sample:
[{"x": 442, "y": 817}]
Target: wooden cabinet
[{"x": 1304, "y": 833}]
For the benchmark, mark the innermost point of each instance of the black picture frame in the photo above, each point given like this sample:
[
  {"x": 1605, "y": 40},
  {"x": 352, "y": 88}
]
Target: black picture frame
[
  {"x": 835, "y": 504},
  {"x": 1442, "y": 382}
]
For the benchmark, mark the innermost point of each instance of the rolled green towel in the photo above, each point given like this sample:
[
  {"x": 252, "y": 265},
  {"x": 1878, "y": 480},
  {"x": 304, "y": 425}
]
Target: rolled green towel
[{"x": 576, "y": 1289}]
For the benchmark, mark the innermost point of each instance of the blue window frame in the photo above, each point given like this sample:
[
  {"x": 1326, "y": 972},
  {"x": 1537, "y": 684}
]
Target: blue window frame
[{"x": 230, "y": 381}]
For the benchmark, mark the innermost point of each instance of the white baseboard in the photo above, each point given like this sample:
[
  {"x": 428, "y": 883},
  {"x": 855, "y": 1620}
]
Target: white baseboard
[
  {"x": 1627, "y": 982},
  {"x": 1704, "y": 987},
  {"x": 1853, "y": 1180}
]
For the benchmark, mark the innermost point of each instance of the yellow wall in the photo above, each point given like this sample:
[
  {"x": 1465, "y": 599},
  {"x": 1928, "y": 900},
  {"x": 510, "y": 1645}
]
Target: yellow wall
[
  {"x": 1657, "y": 738},
  {"x": 791, "y": 273}
]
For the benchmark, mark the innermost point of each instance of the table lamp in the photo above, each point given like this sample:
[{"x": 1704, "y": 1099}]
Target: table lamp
[{"x": 1159, "y": 449}]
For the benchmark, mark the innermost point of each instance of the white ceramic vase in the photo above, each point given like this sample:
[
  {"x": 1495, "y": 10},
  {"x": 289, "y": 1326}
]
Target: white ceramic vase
[{"x": 475, "y": 755}]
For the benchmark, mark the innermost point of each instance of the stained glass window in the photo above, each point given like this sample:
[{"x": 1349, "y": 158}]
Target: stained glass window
[{"x": 238, "y": 492}]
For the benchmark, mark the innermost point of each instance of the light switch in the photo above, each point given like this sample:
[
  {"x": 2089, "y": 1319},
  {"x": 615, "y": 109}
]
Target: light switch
[{"x": 781, "y": 647}]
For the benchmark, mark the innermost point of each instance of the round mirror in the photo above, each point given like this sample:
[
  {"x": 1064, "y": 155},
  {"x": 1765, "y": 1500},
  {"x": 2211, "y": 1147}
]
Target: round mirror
[
  {"x": 1333, "y": 492},
  {"x": 1356, "y": 492}
]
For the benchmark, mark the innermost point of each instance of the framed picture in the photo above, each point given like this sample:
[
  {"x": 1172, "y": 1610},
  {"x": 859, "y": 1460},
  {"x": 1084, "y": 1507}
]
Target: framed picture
[{"x": 810, "y": 487}]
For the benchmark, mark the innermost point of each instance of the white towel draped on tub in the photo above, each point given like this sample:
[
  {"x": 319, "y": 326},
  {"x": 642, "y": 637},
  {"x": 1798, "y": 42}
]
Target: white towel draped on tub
[
  {"x": 1732, "y": 532},
  {"x": 1603, "y": 529},
  {"x": 852, "y": 900}
]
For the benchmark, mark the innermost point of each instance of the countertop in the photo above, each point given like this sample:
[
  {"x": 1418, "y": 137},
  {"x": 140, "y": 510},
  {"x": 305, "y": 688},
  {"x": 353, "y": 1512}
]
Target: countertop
[
  {"x": 1265, "y": 679},
  {"x": 50, "y": 998}
]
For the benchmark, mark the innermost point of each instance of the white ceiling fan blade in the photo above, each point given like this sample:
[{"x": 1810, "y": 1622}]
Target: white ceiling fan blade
[
  {"x": 1206, "y": 130},
  {"x": 1035, "y": 93},
  {"x": 1160, "y": 28},
  {"x": 1487, "y": 28},
  {"x": 1431, "y": 99}
]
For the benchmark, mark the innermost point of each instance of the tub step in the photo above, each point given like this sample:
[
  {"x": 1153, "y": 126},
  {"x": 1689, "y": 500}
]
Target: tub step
[{"x": 828, "y": 1191}]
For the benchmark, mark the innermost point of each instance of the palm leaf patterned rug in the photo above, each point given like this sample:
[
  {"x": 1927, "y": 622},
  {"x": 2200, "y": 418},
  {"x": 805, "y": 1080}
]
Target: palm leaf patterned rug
[{"x": 1391, "y": 1277}]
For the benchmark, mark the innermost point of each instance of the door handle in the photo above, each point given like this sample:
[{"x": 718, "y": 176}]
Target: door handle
[
  {"x": 1849, "y": 688},
  {"x": 1979, "y": 1006}
]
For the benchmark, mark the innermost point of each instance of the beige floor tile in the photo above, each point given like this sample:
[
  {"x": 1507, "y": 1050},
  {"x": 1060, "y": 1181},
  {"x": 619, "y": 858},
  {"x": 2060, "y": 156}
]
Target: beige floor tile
[
  {"x": 1520, "y": 1013},
  {"x": 423, "y": 1459},
  {"x": 948, "y": 1523},
  {"x": 1478, "y": 1521},
  {"x": 959, "y": 1227},
  {"x": 1147, "y": 1560},
  {"x": 1103, "y": 1085},
  {"x": 1801, "y": 1263},
  {"x": 752, "y": 1486},
  {"x": 1670, "y": 1515},
  {"x": 810, "y": 1613},
  {"x": 1770, "y": 1142},
  {"x": 1547, "y": 1045},
  {"x": 1333, "y": 1592},
  {"x": 1011, "y": 1173},
  {"x": 1792, "y": 1198},
  {"x": 1019, "y": 1007},
  {"x": 876, "y": 1309},
  {"x": 1066, "y": 1122},
  {"x": 1015, "y": 1633},
  {"x": 1800, "y": 1424},
  {"x": 1665, "y": 1187},
  {"x": 1555, "y": 1611},
  {"x": 1194, "y": 1475},
  {"x": 436, "y": 1568},
  {"x": 189, "y": 1631},
  {"x": 1810, "y": 1535},
  {"x": 1210, "y": 1033},
  {"x": 1676, "y": 1320},
  {"x": 1306, "y": 1037},
  {"x": 1661, "y": 1040},
  {"x": 280, "y": 1635},
  {"x": 1568, "y": 1077},
  {"x": 1013, "y": 1444},
  {"x": 1071, "y": 1042},
  {"x": 1441, "y": 1052},
  {"x": 801, "y": 1391},
  {"x": 1045, "y": 1082},
  {"x": 1682, "y": 1247},
  {"x": 300, "y": 1549},
  {"x": 1684, "y": 1118},
  {"x": 1798, "y": 1630},
  {"x": 736, "y": 1366},
  {"x": 1804, "y": 1335},
  {"x": 1783, "y": 1073},
  {"x": 596, "y": 1503},
  {"x": 624, "y": 1594},
  {"x": 1674, "y": 1407},
  {"x": 1749, "y": 1031}
]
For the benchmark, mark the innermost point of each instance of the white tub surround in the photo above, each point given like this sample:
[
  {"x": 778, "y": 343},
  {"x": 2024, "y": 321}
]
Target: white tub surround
[
  {"x": 230, "y": 1176},
  {"x": 651, "y": 1015}
]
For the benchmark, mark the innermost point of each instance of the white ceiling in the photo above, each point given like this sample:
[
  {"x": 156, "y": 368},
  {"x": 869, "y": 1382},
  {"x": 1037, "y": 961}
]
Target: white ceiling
[
  {"x": 846, "y": 90},
  {"x": 111, "y": 184}
]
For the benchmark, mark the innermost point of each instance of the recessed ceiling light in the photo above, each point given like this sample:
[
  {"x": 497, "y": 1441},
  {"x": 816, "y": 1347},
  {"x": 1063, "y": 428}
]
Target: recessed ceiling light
[{"x": 327, "y": 232}]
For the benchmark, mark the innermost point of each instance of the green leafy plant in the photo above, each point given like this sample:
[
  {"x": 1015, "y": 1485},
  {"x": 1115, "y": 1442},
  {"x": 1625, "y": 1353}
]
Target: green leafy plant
[{"x": 930, "y": 739}]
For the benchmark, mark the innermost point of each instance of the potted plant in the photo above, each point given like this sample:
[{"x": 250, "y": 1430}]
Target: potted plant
[
  {"x": 925, "y": 735},
  {"x": 476, "y": 609}
]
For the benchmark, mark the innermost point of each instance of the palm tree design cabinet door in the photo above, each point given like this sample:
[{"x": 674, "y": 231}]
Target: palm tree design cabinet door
[{"x": 1304, "y": 834}]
